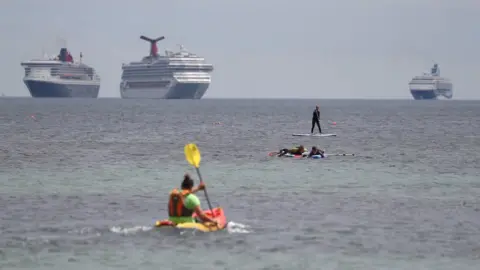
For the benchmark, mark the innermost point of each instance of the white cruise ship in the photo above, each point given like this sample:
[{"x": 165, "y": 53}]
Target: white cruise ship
[
  {"x": 431, "y": 85},
  {"x": 175, "y": 75},
  {"x": 61, "y": 77}
]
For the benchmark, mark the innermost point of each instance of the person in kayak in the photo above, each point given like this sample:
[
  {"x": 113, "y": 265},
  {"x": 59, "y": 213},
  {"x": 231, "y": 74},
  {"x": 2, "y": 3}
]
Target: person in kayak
[
  {"x": 182, "y": 204},
  {"x": 294, "y": 151},
  {"x": 316, "y": 119},
  {"x": 315, "y": 151}
]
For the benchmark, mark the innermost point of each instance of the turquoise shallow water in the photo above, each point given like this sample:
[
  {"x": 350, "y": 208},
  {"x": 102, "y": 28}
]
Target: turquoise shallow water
[{"x": 84, "y": 180}]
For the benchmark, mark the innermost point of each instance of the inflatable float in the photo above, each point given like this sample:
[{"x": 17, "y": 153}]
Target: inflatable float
[{"x": 218, "y": 215}]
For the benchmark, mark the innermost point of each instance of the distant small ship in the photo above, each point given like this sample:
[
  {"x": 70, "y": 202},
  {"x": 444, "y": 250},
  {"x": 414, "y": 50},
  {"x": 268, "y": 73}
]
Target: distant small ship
[
  {"x": 175, "y": 75},
  {"x": 431, "y": 85},
  {"x": 61, "y": 77}
]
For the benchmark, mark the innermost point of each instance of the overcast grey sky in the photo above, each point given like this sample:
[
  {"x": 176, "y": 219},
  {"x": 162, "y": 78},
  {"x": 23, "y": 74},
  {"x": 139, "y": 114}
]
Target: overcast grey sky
[{"x": 259, "y": 48}]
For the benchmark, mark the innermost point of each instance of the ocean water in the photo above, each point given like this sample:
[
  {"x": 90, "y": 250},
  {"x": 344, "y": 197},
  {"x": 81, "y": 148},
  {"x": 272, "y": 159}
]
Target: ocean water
[{"x": 82, "y": 182}]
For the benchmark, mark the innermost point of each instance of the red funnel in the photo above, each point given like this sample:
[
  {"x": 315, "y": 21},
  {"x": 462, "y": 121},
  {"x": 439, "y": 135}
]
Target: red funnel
[{"x": 153, "y": 44}]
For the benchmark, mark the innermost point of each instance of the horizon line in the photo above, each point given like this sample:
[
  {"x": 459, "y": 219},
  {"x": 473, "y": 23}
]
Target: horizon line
[{"x": 254, "y": 98}]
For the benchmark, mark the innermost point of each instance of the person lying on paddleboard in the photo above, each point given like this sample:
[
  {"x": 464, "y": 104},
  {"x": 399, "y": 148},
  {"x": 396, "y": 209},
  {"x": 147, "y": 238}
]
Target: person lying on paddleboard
[
  {"x": 182, "y": 204},
  {"x": 294, "y": 151},
  {"x": 315, "y": 151}
]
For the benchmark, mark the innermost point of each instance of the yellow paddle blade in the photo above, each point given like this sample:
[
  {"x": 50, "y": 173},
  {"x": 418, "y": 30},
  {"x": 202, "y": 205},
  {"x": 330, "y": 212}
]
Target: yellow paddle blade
[{"x": 192, "y": 154}]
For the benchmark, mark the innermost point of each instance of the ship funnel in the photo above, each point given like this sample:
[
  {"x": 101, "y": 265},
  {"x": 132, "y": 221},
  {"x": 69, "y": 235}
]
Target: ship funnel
[
  {"x": 435, "y": 71},
  {"x": 153, "y": 44},
  {"x": 65, "y": 55}
]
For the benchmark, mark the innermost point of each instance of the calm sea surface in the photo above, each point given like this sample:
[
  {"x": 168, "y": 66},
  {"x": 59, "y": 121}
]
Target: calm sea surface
[{"x": 82, "y": 182}]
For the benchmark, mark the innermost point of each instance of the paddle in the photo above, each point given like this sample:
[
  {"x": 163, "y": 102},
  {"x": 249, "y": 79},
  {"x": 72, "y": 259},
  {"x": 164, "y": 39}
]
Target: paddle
[{"x": 192, "y": 155}]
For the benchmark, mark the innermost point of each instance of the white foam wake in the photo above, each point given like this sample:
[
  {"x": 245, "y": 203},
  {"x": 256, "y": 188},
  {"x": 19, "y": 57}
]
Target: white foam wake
[
  {"x": 233, "y": 227},
  {"x": 129, "y": 231}
]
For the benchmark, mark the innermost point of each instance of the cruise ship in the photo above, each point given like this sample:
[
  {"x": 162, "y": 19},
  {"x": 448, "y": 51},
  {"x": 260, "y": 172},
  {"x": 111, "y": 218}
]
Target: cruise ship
[
  {"x": 431, "y": 85},
  {"x": 175, "y": 75},
  {"x": 61, "y": 77}
]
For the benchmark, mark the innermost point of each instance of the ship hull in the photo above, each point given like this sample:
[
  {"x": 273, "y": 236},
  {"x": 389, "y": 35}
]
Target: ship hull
[
  {"x": 430, "y": 94},
  {"x": 178, "y": 91},
  {"x": 46, "y": 89},
  {"x": 423, "y": 94}
]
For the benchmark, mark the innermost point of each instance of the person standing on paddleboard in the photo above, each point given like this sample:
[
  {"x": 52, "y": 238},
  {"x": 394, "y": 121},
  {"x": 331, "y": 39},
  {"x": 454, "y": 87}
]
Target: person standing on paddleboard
[
  {"x": 316, "y": 119},
  {"x": 182, "y": 204}
]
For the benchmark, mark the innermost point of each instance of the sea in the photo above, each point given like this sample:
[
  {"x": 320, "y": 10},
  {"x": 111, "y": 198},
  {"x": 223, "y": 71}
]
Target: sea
[{"x": 84, "y": 180}]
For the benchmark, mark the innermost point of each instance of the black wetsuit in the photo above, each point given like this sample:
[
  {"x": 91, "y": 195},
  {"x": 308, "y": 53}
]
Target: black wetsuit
[
  {"x": 316, "y": 120},
  {"x": 316, "y": 152},
  {"x": 283, "y": 152}
]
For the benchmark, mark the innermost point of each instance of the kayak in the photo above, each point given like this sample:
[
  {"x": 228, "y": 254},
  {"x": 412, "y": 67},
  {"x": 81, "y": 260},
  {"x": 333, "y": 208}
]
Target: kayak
[{"x": 218, "y": 216}]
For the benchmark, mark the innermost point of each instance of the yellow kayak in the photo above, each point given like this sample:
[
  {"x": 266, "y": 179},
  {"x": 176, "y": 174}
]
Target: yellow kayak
[{"x": 218, "y": 216}]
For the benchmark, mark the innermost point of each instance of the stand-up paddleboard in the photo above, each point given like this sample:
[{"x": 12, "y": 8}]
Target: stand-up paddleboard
[
  {"x": 271, "y": 154},
  {"x": 305, "y": 155},
  {"x": 315, "y": 135}
]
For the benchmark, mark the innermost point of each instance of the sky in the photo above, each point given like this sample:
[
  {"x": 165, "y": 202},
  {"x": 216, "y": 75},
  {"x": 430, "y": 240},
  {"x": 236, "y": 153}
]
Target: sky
[{"x": 358, "y": 49}]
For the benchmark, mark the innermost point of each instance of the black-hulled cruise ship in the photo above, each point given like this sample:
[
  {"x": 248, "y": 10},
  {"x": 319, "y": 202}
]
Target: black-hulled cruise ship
[
  {"x": 175, "y": 75},
  {"x": 61, "y": 77}
]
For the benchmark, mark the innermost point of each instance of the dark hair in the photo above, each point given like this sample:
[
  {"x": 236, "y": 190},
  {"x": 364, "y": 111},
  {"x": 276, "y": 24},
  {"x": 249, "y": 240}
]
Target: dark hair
[{"x": 187, "y": 182}]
